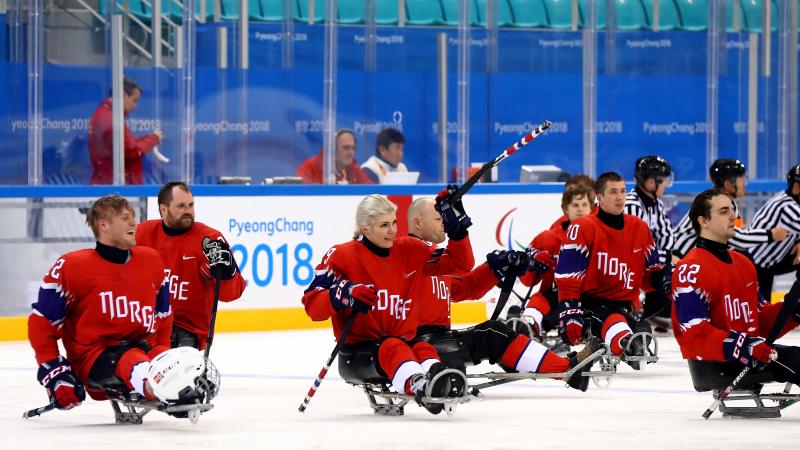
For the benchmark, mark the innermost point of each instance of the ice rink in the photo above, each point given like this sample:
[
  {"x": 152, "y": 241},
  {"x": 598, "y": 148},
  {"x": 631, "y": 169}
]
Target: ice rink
[{"x": 266, "y": 375}]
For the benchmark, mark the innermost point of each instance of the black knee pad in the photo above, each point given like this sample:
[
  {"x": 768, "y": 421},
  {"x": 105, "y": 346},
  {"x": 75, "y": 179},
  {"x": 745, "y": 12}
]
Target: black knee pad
[
  {"x": 181, "y": 337},
  {"x": 103, "y": 374},
  {"x": 488, "y": 340},
  {"x": 358, "y": 363},
  {"x": 602, "y": 309},
  {"x": 449, "y": 344}
]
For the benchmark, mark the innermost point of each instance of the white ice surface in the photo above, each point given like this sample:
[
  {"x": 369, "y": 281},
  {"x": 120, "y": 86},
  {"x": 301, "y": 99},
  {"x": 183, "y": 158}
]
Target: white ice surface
[{"x": 266, "y": 375}]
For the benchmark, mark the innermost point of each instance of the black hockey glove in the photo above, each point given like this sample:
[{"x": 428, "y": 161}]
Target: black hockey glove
[
  {"x": 359, "y": 297},
  {"x": 454, "y": 219},
  {"x": 220, "y": 260},
  {"x": 508, "y": 263},
  {"x": 570, "y": 321},
  {"x": 662, "y": 280},
  {"x": 541, "y": 260},
  {"x": 750, "y": 351},
  {"x": 63, "y": 388}
]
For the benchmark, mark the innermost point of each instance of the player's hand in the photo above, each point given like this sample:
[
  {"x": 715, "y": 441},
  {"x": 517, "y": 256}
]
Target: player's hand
[
  {"x": 570, "y": 321},
  {"x": 750, "y": 351},
  {"x": 220, "y": 261},
  {"x": 541, "y": 260},
  {"x": 779, "y": 233},
  {"x": 159, "y": 134},
  {"x": 508, "y": 263},
  {"x": 356, "y": 296},
  {"x": 662, "y": 279},
  {"x": 454, "y": 219},
  {"x": 63, "y": 389}
]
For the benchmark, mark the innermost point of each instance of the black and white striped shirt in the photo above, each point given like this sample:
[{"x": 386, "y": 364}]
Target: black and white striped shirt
[
  {"x": 744, "y": 239},
  {"x": 780, "y": 211},
  {"x": 652, "y": 212}
]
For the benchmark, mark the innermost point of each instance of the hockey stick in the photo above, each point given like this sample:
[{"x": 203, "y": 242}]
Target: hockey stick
[
  {"x": 210, "y": 337},
  {"x": 780, "y": 321},
  {"x": 505, "y": 292},
  {"x": 506, "y": 153},
  {"x": 324, "y": 371},
  {"x": 38, "y": 411}
]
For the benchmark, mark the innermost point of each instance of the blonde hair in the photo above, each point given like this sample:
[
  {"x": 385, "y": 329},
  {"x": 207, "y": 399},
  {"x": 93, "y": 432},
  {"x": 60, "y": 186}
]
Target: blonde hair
[
  {"x": 368, "y": 211},
  {"x": 103, "y": 208}
]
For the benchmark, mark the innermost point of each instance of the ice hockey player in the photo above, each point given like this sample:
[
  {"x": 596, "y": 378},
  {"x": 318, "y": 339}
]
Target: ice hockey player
[
  {"x": 188, "y": 248},
  {"x": 603, "y": 261},
  {"x": 653, "y": 176},
  {"x": 372, "y": 275},
  {"x": 539, "y": 312},
  {"x": 730, "y": 176},
  {"x": 110, "y": 308},
  {"x": 491, "y": 340},
  {"x": 719, "y": 318}
]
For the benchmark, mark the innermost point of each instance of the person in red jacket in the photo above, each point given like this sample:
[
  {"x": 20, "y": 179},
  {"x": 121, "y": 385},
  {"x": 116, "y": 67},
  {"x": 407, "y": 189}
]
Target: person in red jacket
[
  {"x": 369, "y": 279},
  {"x": 110, "y": 308},
  {"x": 347, "y": 169},
  {"x": 604, "y": 259},
  {"x": 179, "y": 241},
  {"x": 491, "y": 340},
  {"x": 539, "y": 312},
  {"x": 719, "y": 317},
  {"x": 101, "y": 139}
]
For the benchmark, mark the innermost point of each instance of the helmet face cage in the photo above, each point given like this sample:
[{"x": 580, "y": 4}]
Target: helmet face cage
[
  {"x": 653, "y": 167},
  {"x": 207, "y": 384},
  {"x": 725, "y": 169}
]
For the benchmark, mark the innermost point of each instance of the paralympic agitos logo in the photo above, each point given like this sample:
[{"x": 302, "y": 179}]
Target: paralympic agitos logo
[{"x": 504, "y": 232}]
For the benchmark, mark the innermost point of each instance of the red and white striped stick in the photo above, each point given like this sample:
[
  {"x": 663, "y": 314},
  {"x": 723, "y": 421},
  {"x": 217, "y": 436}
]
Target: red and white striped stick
[
  {"x": 324, "y": 371},
  {"x": 506, "y": 153}
]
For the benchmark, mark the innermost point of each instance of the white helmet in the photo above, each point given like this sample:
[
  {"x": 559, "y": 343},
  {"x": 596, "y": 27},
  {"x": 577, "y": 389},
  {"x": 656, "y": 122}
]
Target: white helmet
[{"x": 183, "y": 375}]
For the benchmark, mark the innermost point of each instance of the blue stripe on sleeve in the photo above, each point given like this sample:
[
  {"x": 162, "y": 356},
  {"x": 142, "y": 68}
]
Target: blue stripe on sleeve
[
  {"x": 51, "y": 304},
  {"x": 572, "y": 261},
  {"x": 691, "y": 307}
]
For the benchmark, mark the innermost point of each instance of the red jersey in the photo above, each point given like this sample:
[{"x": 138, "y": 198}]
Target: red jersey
[
  {"x": 712, "y": 298},
  {"x": 434, "y": 293},
  {"x": 599, "y": 261},
  {"x": 101, "y": 146},
  {"x": 91, "y": 303},
  {"x": 393, "y": 276},
  {"x": 311, "y": 172},
  {"x": 559, "y": 223},
  {"x": 191, "y": 286}
]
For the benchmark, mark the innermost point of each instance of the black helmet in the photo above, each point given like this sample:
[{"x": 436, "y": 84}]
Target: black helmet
[
  {"x": 793, "y": 176},
  {"x": 725, "y": 169},
  {"x": 651, "y": 166}
]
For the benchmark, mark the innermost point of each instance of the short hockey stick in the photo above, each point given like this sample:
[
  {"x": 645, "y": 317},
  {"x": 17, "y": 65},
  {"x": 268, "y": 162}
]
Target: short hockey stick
[
  {"x": 38, "y": 411},
  {"x": 506, "y": 153},
  {"x": 324, "y": 371},
  {"x": 780, "y": 321},
  {"x": 505, "y": 292},
  {"x": 210, "y": 338}
]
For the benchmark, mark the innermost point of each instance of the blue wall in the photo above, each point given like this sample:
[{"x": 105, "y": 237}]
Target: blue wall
[{"x": 265, "y": 121}]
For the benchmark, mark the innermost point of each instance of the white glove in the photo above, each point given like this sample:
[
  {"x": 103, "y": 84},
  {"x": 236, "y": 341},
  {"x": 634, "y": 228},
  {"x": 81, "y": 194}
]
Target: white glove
[{"x": 160, "y": 156}]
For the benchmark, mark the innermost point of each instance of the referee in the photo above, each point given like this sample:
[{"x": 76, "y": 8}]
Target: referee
[
  {"x": 653, "y": 176},
  {"x": 730, "y": 176},
  {"x": 779, "y": 257}
]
